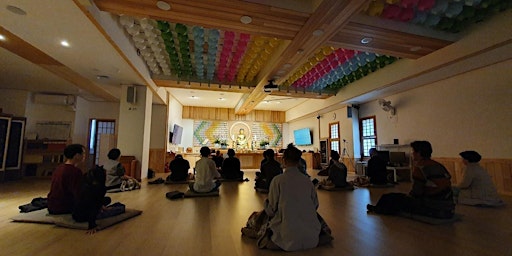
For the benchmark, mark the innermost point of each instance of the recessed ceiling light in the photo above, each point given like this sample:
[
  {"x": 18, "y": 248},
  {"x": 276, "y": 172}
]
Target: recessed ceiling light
[
  {"x": 246, "y": 19},
  {"x": 16, "y": 10},
  {"x": 64, "y": 43},
  {"x": 300, "y": 51},
  {"x": 2, "y": 37},
  {"x": 366, "y": 40},
  {"x": 222, "y": 99},
  {"x": 415, "y": 48},
  {"x": 194, "y": 97},
  {"x": 102, "y": 77},
  {"x": 318, "y": 32},
  {"x": 162, "y": 5}
]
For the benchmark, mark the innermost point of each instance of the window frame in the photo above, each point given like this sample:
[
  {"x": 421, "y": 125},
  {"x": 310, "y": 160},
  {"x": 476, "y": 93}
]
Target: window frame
[
  {"x": 374, "y": 137},
  {"x": 335, "y": 140}
]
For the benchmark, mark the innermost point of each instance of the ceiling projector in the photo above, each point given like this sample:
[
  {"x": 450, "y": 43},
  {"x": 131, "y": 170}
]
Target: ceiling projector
[{"x": 270, "y": 87}]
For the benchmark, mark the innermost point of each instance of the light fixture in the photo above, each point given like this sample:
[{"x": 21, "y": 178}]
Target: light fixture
[
  {"x": 318, "y": 32},
  {"x": 366, "y": 40},
  {"x": 16, "y": 10},
  {"x": 300, "y": 51},
  {"x": 194, "y": 97},
  {"x": 2, "y": 37},
  {"x": 162, "y": 5},
  {"x": 245, "y": 19},
  {"x": 64, "y": 43},
  {"x": 102, "y": 77},
  {"x": 221, "y": 99},
  {"x": 270, "y": 87}
]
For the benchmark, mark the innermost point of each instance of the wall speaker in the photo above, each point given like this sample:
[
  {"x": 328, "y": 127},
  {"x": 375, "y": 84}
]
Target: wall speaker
[
  {"x": 349, "y": 112},
  {"x": 131, "y": 94}
]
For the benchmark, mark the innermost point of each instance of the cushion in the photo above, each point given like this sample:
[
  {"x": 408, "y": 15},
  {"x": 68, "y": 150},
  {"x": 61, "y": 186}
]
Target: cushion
[
  {"x": 333, "y": 188},
  {"x": 429, "y": 220},
  {"x": 191, "y": 193},
  {"x": 65, "y": 220},
  {"x": 174, "y": 195},
  {"x": 262, "y": 190},
  {"x": 167, "y": 182},
  {"x": 387, "y": 185},
  {"x": 233, "y": 180}
]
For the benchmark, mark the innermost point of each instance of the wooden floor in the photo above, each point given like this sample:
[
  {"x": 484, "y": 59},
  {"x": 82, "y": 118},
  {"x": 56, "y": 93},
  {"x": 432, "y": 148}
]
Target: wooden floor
[{"x": 211, "y": 226}]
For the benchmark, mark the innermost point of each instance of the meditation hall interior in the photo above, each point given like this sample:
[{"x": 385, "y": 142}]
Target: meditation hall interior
[{"x": 158, "y": 79}]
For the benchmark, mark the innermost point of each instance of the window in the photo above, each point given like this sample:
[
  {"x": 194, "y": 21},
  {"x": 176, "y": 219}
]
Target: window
[
  {"x": 96, "y": 128},
  {"x": 368, "y": 134},
  {"x": 334, "y": 136}
]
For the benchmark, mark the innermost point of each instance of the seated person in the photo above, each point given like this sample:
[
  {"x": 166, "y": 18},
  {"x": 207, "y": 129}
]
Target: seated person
[
  {"x": 205, "y": 174},
  {"x": 376, "y": 169},
  {"x": 66, "y": 181},
  {"x": 476, "y": 186},
  {"x": 179, "y": 169},
  {"x": 269, "y": 169},
  {"x": 231, "y": 167},
  {"x": 325, "y": 171},
  {"x": 431, "y": 194},
  {"x": 337, "y": 172},
  {"x": 91, "y": 200},
  {"x": 291, "y": 206},
  {"x": 303, "y": 167},
  {"x": 115, "y": 170},
  {"x": 218, "y": 159}
]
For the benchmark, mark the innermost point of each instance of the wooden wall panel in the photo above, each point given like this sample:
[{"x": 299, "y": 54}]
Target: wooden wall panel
[
  {"x": 157, "y": 159},
  {"x": 499, "y": 169},
  {"x": 225, "y": 114}
]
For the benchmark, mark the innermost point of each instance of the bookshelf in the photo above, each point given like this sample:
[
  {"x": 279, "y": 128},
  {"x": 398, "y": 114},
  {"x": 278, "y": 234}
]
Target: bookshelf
[{"x": 42, "y": 156}]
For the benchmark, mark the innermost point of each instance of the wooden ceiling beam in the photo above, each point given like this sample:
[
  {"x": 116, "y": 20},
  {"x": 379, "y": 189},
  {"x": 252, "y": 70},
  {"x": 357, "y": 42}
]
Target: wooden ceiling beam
[
  {"x": 25, "y": 50},
  {"x": 386, "y": 41},
  {"x": 224, "y": 15}
]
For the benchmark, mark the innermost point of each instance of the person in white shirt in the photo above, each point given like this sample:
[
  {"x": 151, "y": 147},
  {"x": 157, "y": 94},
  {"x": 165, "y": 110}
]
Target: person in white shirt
[
  {"x": 476, "y": 187},
  {"x": 205, "y": 174}
]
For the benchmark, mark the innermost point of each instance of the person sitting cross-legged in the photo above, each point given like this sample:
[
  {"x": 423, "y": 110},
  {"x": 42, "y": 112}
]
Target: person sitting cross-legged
[
  {"x": 205, "y": 174},
  {"x": 231, "y": 167},
  {"x": 269, "y": 169},
  {"x": 179, "y": 169}
]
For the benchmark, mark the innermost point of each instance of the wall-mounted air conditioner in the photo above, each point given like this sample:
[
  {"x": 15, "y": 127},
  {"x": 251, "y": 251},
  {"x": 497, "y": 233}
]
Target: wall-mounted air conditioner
[{"x": 54, "y": 99}]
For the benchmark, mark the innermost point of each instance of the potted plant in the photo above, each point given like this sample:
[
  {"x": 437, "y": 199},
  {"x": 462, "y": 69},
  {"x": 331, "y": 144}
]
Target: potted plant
[
  {"x": 263, "y": 144},
  {"x": 217, "y": 143}
]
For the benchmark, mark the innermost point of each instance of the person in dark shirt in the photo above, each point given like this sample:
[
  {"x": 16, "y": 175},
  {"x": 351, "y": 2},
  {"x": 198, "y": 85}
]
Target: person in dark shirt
[
  {"x": 218, "y": 159},
  {"x": 231, "y": 167},
  {"x": 376, "y": 169},
  {"x": 337, "y": 171},
  {"x": 66, "y": 180},
  {"x": 269, "y": 169},
  {"x": 179, "y": 169},
  {"x": 91, "y": 200}
]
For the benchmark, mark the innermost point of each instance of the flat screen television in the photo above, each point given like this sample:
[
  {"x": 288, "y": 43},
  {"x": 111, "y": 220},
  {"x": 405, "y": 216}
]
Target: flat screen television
[
  {"x": 302, "y": 137},
  {"x": 384, "y": 154},
  {"x": 177, "y": 131},
  {"x": 397, "y": 158}
]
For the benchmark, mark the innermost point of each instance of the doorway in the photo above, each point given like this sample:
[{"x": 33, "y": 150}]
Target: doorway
[{"x": 97, "y": 127}]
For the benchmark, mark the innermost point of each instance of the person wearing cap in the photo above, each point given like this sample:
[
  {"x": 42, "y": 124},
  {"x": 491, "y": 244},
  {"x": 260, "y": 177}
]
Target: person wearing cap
[{"x": 476, "y": 186}]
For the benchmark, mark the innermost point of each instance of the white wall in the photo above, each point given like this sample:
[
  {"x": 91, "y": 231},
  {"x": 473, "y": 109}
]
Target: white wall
[
  {"x": 158, "y": 126},
  {"x": 14, "y": 101},
  {"x": 470, "y": 111},
  {"x": 43, "y": 112},
  {"x": 175, "y": 117},
  {"x": 85, "y": 110}
]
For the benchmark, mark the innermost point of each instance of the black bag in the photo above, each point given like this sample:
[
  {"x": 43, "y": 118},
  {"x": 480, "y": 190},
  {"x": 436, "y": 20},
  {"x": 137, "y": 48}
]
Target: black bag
[
  {"x": 175, "y": 195},
  {"x": 391, "y": 203}
]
